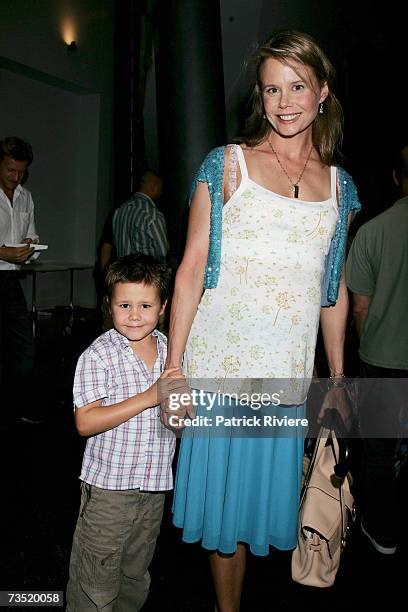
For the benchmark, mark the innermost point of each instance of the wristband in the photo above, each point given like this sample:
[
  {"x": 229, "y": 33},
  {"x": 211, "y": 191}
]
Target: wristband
[{"x": 337, "y": 380}]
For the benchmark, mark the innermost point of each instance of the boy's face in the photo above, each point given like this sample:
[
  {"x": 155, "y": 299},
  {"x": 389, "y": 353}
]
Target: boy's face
[{"x": 136, "y": 309}]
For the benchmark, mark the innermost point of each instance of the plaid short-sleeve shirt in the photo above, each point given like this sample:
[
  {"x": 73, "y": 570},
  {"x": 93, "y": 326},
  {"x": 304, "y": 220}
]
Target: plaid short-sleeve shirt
[{"x": 138, "y": 453}]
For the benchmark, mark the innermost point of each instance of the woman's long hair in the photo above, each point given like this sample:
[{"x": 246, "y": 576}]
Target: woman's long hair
[{"x": 291, "y": 46}]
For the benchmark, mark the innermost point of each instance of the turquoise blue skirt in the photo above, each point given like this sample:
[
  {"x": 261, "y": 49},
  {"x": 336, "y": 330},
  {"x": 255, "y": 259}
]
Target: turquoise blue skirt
[{"x": 240, "y": 483}]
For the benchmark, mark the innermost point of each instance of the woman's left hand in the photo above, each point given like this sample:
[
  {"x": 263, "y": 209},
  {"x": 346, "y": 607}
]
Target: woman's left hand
[{"x": 336, "y": 399}]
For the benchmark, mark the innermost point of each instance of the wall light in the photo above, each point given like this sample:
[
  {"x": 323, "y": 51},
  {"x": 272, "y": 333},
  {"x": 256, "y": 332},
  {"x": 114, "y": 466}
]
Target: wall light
[
  {"x": 69, "y": 33},
  {"x": 72, "y": 47}
]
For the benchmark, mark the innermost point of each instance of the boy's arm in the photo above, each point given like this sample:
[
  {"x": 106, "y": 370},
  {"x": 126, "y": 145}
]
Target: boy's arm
[{"x": 93, "y": 418}]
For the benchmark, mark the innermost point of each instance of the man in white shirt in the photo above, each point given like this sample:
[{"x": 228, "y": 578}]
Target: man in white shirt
[{"x": 16, "y": 227}]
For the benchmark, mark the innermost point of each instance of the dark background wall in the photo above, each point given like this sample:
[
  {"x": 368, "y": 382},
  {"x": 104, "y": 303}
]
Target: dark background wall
[
  {"x": 61, "y": 102},
  {"x": 366, "y": 43},
  {"x": 67, "y": 105}
]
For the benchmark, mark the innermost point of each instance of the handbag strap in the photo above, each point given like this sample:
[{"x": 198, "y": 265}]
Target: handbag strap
[
  {"x": 333, "y": 443},
  {"x": 321, "y": 440},
  {"x": 325, "y": 436}
]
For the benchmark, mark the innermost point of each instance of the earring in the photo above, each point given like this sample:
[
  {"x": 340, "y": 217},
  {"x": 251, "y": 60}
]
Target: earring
[
  {"x": 264, "y": 116},
  {"x": 321, "y": 108}
]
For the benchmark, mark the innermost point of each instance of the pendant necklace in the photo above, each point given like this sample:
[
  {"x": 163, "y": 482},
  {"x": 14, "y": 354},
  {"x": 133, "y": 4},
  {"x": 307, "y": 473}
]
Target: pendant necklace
[{"x": 295, "y": 185}]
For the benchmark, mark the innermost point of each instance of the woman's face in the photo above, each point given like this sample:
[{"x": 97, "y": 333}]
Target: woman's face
[{"x": 291, "y": 95}]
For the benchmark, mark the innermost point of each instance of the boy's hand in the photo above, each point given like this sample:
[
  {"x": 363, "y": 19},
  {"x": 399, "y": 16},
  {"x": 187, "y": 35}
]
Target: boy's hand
[{"x": 175, "y": 398}]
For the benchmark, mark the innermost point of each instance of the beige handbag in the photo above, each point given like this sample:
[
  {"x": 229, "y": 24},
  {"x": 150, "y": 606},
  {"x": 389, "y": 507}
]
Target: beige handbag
[{"x": 325, "y": 509}]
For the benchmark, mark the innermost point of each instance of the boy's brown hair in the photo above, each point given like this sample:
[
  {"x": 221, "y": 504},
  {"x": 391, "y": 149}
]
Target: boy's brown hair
[{"x": 139, "y": 268}]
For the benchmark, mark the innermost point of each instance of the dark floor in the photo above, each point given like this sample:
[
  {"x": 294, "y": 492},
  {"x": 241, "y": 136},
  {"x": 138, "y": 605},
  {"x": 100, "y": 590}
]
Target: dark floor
[{"x": 40, "y": 496}]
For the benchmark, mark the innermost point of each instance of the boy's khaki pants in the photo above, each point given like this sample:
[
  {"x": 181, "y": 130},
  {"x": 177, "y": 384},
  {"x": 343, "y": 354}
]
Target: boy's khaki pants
[{"x": 112, "y": 549}]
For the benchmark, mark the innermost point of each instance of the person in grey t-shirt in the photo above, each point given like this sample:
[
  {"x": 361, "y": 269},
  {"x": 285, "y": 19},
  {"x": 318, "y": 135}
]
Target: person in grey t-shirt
[{"x": 377, "y": 276}]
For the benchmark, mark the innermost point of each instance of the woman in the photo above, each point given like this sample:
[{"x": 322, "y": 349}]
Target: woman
[{"x": 267, "y": 218}]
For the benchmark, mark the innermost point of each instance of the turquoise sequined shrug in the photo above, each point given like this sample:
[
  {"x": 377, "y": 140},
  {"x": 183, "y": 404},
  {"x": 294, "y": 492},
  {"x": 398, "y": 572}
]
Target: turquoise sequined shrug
[{"x": 211, "y": 172}]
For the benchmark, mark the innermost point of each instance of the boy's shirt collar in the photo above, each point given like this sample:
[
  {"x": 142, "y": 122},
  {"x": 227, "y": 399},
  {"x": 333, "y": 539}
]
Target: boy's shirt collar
[{"x": 123, "y": 343}]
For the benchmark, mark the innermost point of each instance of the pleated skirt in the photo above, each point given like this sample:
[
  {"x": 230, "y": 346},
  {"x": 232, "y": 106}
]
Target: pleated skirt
[{"x": 240, "y": 484}]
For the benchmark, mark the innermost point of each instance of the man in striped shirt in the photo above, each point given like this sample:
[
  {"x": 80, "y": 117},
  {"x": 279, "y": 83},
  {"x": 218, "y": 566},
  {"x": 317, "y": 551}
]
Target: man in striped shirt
[{"x": 138, "y": 225}]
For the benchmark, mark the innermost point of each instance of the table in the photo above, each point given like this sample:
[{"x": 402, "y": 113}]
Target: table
[{"x": 52, "y": 266}]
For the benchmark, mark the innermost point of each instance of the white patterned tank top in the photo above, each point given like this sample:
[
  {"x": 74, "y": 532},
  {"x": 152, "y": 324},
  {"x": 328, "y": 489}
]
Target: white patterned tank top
[{"x": 261, "y": 321}]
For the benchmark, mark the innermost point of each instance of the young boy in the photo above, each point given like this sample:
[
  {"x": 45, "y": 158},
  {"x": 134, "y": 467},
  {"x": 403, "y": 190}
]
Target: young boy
[{"x": 128, "y": 456}]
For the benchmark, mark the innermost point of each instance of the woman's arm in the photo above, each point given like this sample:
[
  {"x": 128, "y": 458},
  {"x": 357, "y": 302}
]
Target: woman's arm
[
  {"x": 333, "y": 322},
  {"x": 190, "y": 276},
  {"x": 187, "y": 294}
]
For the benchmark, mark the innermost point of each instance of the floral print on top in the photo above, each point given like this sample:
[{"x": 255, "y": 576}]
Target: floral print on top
[{"x": 261, "y": 321}]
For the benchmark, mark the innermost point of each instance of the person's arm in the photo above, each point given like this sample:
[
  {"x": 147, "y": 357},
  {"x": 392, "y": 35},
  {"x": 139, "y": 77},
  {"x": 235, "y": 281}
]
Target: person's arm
[
  {"x": 31, "y": 234},
  {"x": 361, "y": 304},
  {"x": 333, "y": 322},
  {"x": 187, "y": 294},
  {"x": 190, "y": 276},
  {"x": 93, "y": 418},
  {"x": 361, "y": 276},
  {"x": 19, "y": 255}
]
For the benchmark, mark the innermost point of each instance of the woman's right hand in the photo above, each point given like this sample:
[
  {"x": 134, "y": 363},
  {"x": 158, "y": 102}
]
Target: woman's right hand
[{"x": 175, "y": 398}]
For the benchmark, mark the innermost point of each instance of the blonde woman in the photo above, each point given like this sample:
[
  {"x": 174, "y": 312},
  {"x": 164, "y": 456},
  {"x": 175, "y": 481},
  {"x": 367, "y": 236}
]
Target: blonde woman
[{"x": 263, "y": 263}]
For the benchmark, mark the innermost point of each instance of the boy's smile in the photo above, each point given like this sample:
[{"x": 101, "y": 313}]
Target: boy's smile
[{"x": 136, "y": 309}]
